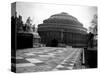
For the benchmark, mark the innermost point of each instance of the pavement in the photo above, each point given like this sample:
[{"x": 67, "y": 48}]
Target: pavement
[{"x": 46, "y": 59}]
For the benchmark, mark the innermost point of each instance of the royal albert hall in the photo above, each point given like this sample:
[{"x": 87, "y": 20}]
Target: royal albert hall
[{"x": 63, "y": 28}]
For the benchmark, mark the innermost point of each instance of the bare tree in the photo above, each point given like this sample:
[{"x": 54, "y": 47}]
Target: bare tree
[
  {"x": 28, "y": 25},
  {"x": 94, "y": 25}
]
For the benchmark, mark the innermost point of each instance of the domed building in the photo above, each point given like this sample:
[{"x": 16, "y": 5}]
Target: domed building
[{"x": 62, "y": 28}]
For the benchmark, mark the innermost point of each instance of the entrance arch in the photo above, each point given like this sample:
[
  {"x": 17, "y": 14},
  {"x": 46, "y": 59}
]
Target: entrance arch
[{"x": 54, "y": 43}]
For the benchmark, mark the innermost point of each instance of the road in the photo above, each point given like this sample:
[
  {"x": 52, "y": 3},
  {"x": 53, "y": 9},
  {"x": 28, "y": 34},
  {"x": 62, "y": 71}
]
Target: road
[{"x": 46, "y": 59}]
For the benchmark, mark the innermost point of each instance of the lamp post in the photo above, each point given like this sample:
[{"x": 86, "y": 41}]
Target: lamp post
[{"x": 62, "y": 35}]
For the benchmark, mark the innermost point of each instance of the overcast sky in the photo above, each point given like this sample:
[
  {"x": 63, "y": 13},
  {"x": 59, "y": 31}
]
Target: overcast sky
[{"x": 39, "y": 12}]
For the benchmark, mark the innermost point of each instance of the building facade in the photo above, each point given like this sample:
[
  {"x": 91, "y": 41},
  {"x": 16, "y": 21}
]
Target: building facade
[
  {"x": 27, "y": 40},
  {"x": 62, "y": 28}
]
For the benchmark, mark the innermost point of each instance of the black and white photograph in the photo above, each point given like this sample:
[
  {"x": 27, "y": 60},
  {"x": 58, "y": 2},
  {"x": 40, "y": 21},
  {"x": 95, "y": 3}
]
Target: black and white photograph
[{"x": 53, "y": 37}]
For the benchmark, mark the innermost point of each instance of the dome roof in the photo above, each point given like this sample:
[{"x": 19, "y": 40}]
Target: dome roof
[
  {"x": 63, "y": 18},
  {"x": 62, "y": 21}
]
